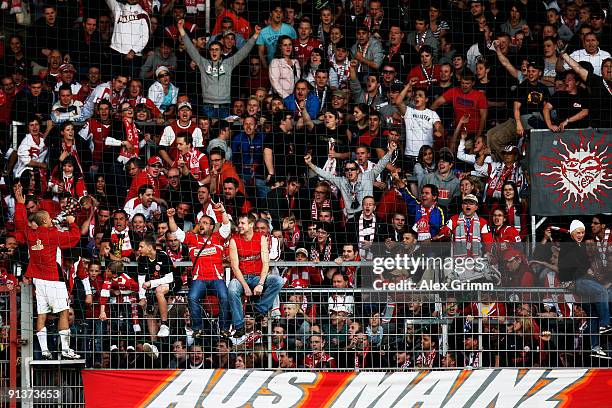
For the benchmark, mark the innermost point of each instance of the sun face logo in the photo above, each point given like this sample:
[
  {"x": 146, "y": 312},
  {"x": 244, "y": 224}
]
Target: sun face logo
[{"x": 579, "y": 174}]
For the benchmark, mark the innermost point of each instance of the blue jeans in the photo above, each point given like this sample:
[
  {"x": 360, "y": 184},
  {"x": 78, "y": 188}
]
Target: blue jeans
[
  {"x": 271, "y": 288},
  {"x": 197, "y": 291},
  {"x": 261, "y": 188},
  {"x": 221, "y": 112},
  {"x": 597, "y": 294}
]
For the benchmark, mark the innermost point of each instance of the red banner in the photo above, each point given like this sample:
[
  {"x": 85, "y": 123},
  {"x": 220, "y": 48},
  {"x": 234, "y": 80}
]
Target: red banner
[{"x": 256, "y": 388}]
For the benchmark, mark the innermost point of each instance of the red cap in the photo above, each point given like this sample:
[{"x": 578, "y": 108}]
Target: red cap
[
  {"x": 510, "y": 253},
  {"x": 154, "y": 160}
]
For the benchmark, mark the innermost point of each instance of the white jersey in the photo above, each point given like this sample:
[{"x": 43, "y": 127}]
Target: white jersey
[
  {"x": 419, "y": 129},
  {"x": 134, "y": 206},
  {"x": 170, "y": 131},
  {"x": 131, "y": 30},
  {"x": 101, "y": 92},
  {"x": 29, "y": 150}
]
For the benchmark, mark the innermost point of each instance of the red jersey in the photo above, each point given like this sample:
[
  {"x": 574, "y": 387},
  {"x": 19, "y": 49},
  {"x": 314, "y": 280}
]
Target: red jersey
[
  {"x": 197, "y": 163},
  {"x": 75, "y": 188},
  {"x": 241, "y": 25},
  {"x": 319, "y": 360},
  {"x": 99, "y": 132},
  {"x": 302, "y": 51},
  {"x": 174, "y": 129},
  {"x": 249, "y": 254},
  {"x": 467, "y": 234},
  {"x": 208, "y": 251},
  {"x": 143, "y": 178},
  {"x": 173, "y": 32},
  {"x": 7, "y": 278},
  {"x": 43, "y": 243},
  {"x": 467, "y": 104},
  {"x": 426, "y": 76},
  {"x": 123, "y": 283}
]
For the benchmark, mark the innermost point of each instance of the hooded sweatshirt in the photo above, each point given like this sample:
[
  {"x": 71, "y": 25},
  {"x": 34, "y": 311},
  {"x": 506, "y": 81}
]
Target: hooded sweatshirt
[
  {"x": 217, "y": 76},
  {"x": 448, "y": 186}
]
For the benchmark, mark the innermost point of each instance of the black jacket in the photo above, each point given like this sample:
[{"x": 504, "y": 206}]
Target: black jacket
[{"x": 573, "y": 261}]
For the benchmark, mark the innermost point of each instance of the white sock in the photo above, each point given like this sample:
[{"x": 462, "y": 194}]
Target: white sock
[
  {"x": 65, "y": 339},
  {"x": 42, "y": 339}
]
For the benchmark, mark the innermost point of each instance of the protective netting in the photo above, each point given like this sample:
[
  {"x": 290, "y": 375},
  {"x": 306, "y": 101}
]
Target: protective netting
[{"x": 136, "y": 134}]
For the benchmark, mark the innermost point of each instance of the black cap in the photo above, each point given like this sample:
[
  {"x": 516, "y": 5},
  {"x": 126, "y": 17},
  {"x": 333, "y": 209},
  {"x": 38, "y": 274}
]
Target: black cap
[
  {"x": 537, "y": 64},
  {"x": 201, "y": 33}
]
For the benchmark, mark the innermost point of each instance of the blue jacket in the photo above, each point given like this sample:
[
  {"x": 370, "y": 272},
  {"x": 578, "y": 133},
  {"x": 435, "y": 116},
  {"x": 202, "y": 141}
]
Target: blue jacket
[
  {"x": 437, "y": 218},
  {"x": 312, "y": 104},
  {"x": 247, "y": 154}
]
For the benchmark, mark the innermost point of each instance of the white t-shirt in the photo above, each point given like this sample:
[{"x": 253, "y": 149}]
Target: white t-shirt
[
  {"x": 419, "y": 129},
  {"x": 134, "y": 206}
]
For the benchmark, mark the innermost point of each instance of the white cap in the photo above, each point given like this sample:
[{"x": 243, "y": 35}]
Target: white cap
[
  {"x": 575, "y": 225},
  {"x": 160, "y": 70}
]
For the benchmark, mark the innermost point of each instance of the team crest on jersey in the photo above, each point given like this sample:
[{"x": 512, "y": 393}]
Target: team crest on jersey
[
  {"x": 215, "y": 71},
  {"x": 39, "y": 246}
]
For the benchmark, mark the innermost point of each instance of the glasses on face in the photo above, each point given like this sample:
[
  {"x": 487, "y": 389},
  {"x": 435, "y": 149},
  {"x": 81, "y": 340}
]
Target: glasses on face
[
  {"x": 156, "y": 166},
  {"x": 388, "y": 71},
  {"x": 160, "y": 76},
  {"x": 173, "y": 177},
  {"x": 350, "y": 169}
]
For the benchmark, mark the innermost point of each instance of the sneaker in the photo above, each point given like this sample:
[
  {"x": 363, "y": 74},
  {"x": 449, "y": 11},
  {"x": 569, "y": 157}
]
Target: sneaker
[
  {"x": 599, "y": 353},
  {"x": 46, "y": 355},
  {"x": 70, "y": 354},
  {"x": 164, "y": 331},
  {"x": 605, "y": 329},
  {"x": 239, "y": 333}
]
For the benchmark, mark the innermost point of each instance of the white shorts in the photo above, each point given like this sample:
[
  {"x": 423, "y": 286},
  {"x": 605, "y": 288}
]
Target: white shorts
[{"x": 51, "y": 296}]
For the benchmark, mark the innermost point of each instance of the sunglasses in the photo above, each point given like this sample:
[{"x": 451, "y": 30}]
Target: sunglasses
[
  {"x": 388, "y": 71},
  {"x": 160, "y": 76},
  {"x": 350, "y": 169}
]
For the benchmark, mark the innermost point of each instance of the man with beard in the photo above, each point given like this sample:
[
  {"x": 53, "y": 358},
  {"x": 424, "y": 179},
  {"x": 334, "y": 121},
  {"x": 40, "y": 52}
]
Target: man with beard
[{"x": 206, "y": 252}]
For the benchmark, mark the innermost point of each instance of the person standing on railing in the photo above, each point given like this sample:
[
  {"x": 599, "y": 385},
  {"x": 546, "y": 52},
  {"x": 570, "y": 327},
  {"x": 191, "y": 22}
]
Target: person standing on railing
[
  {"x": 250, "y": 262},
  {"x": 44, "y": 240},
  {"x": 206, "y": 253}
]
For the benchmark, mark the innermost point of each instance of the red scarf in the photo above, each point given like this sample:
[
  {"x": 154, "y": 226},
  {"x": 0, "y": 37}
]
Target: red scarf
[{"x": 131, "y": 135}]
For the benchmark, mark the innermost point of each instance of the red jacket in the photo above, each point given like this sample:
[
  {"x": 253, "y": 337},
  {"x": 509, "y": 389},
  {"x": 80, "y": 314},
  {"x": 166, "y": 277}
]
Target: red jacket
[{"x": 43, "y": 243}]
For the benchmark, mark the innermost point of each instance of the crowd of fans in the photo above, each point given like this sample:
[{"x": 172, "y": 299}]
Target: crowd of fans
[{"x": 304, "y": 131}]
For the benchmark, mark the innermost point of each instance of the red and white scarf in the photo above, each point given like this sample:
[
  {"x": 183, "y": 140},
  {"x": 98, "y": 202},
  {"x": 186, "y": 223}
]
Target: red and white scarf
[{"x": 131, "y": 135}]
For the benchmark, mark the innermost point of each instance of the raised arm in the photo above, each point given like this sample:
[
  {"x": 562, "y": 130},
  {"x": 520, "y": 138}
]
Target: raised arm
[{"x": 582, "y": 73}]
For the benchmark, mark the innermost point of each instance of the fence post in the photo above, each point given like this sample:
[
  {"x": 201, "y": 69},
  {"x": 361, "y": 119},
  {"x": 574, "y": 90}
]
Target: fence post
[{"x": 27, "y": 333}]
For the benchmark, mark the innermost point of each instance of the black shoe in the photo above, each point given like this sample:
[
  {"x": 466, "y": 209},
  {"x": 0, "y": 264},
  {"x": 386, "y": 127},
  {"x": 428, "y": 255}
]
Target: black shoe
[
  {"x": 605, "y": 329},
  {"x": 239, "y": 333},
  {"x": 198, "y": 334},
  {"x": 225, "y": 333}
]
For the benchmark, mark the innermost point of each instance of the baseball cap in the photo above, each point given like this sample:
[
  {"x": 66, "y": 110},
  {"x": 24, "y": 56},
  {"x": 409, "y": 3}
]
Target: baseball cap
[
  {"x": 510, "y": 254},
  {"x": 535, "y": 64},
  {"x": 302, "y": 251},
  {"x": 470, "y": 198},
  {"x": 184, "y": 104},
  {"x": 154, "y": 160},
  {"x": 67, "y": 68},
  {"x": 161, "y": 69}
]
